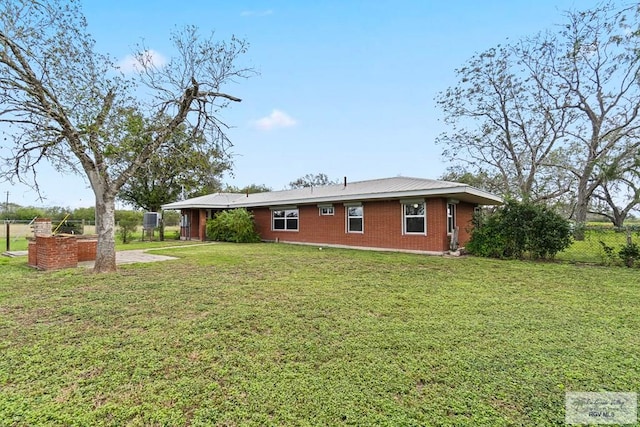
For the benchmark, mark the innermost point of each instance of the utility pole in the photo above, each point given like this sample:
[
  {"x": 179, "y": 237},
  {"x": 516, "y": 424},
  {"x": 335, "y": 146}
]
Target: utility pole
[{"x": 6, "y": 205}]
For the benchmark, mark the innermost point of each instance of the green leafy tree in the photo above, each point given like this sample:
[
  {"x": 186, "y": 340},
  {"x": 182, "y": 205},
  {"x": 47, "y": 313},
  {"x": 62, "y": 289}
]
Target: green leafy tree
[
  {"x": 65, "y": 103},
  {"x": 249, "y": 189},
  {"x": 188, "y": 166},
  {"x": 26, "y": 213}
]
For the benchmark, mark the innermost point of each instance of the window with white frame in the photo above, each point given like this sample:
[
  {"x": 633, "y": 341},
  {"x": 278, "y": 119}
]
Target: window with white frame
[
  {"x": 355, "y": 219},
  {"x": 415, "y": 218},
  {"x": 285, "y": 219},
  {"x": 451, "y": 218},
  {"x": 326, "y": 210}
]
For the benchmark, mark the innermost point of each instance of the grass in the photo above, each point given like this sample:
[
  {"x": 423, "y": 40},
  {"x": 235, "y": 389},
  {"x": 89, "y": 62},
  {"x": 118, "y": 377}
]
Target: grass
[{"x": 268, "y": 334}]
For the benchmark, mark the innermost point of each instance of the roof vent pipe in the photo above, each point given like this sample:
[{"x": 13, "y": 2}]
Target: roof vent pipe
[{"x": 345, "y": 181}]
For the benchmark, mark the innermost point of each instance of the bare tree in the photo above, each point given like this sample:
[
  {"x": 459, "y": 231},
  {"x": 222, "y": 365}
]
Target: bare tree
[
  {"x": 310, "y": 180},
  {"x": 481, "y": 180},
  {"x": 551, "y": 113},
  {"x": 619, "y": 192},
  {"x": 66, "y": 104},
  {"x": 503, "y": 124},
  {"x": 594, "y": 60}
]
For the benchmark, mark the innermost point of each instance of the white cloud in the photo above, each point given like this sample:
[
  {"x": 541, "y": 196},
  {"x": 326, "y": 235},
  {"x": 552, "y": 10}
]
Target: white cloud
[
  {"x": 277, "y": 119},
  {"x": 256, "y": 12},
  {"x": 131, "y": 63}
]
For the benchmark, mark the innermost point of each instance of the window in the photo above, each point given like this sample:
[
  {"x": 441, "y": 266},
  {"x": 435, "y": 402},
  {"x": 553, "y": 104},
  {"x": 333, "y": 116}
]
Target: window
[
  {"x": 355, "y": 217},
  {"x": 415, "y": 218},
  {"x": 326, "y": 210},
  {"x": 451, "y": 218},
  {"x": 285, "y": 219}
]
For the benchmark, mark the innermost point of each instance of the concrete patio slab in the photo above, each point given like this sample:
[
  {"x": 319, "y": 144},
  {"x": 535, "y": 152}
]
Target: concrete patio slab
[
  {"x": 132, "y": 257},
  {"x": 13, "y": 254}
]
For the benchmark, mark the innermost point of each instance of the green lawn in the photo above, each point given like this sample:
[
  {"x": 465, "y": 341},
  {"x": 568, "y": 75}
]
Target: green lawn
[{"x": 269, "y": 334}]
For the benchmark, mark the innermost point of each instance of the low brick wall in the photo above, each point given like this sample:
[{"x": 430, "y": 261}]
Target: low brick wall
[
  {"x": 87, "y": 249},
  {"x": 33, "y": 253},
  {"x": 56, "y": 252},
  {"x": 61, "y": 251}
]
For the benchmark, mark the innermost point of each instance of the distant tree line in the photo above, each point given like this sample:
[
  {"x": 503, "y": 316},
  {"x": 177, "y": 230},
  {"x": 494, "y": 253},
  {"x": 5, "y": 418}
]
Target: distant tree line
[{"x": 15, "y": 212}]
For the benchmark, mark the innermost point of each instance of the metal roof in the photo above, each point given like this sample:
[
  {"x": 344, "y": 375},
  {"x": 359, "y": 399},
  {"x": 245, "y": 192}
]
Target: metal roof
[
  {"x": 377, "y": 189},
  {"x": 208, "y": 201}
]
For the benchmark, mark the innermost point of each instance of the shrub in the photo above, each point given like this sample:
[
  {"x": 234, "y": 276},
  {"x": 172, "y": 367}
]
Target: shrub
[
  {"x": 127, "y": 225},
  {"x": 629, "y": 253},
  {"x": 608, "y": 254},
  {"x": 517, "y": 230},
  {"x": 232, "y": 226},
  {"x": 486, "y": 239}
]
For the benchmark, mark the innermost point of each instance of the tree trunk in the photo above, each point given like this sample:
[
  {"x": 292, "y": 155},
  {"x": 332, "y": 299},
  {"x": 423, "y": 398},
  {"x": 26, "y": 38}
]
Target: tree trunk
[
  {"x": 105, "y": 229},
  {"x": 582, "y": 208},
  {"x": 618, "y": 218}
]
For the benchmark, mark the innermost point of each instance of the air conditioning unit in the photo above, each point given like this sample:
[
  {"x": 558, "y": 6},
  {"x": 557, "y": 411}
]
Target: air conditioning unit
[{"x": 151, "y": 220}]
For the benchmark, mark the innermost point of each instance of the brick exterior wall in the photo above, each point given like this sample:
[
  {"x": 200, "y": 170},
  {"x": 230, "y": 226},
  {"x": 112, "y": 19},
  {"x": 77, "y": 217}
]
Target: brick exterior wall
[
  {"x": 197, "y": 224},
  {"x": 464, "y": 213},
  {"x": 383, "y": 224}
]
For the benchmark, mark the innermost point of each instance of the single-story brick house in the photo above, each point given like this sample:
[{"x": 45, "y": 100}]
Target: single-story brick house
[{"x": 406, "y": 214}]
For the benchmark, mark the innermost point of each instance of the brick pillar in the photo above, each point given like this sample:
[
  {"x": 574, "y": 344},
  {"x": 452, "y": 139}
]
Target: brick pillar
[
  {"x": 42, "y": 227},
  {"x": 202, "y": 234}
]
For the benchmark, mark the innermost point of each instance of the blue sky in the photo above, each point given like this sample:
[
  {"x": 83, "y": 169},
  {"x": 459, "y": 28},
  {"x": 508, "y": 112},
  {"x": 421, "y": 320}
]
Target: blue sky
[{"x": 345, "y": 87}]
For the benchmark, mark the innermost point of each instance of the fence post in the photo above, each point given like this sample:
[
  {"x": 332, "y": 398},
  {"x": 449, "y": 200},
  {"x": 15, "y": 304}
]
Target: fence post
[{"x": 8, "y": 238}]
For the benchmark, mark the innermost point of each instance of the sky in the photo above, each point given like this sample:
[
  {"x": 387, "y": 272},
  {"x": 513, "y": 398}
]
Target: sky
[{"x": 345, "y": 87}]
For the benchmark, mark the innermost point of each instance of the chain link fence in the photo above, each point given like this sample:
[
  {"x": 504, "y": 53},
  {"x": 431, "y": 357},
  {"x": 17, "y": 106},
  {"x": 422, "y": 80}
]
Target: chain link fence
[{"x": 605, "y": 245}]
